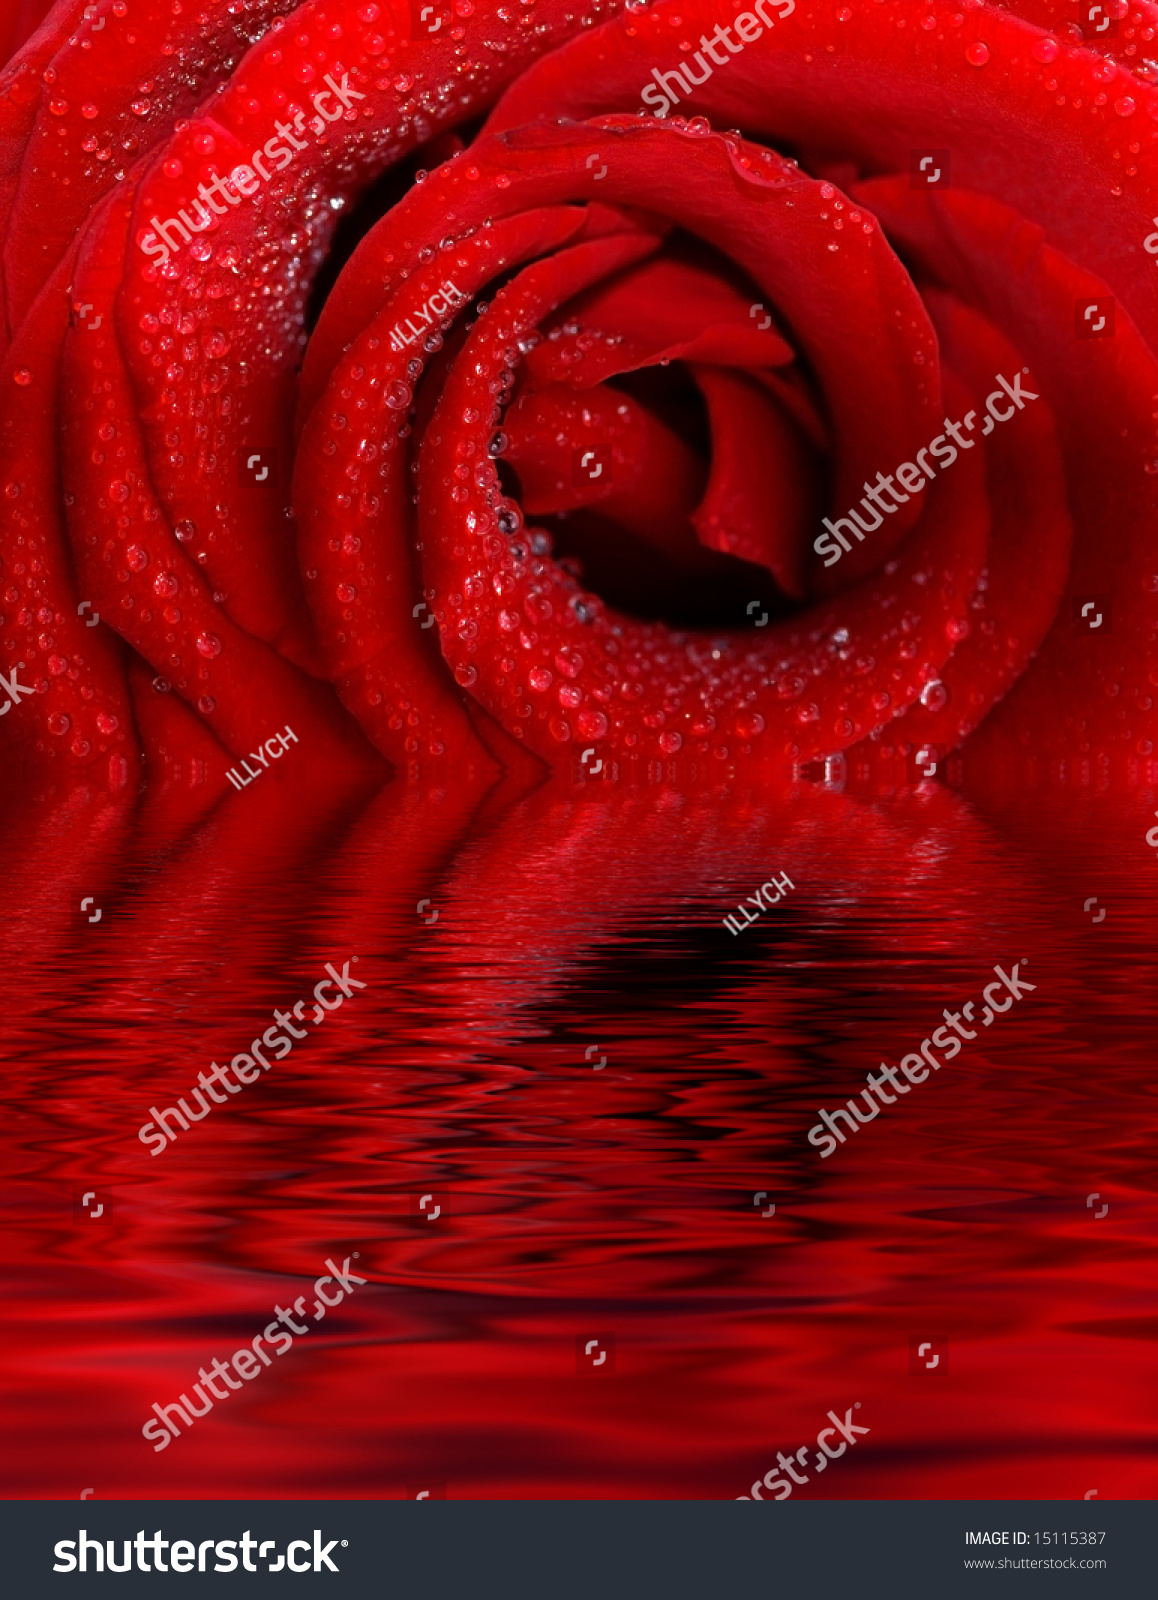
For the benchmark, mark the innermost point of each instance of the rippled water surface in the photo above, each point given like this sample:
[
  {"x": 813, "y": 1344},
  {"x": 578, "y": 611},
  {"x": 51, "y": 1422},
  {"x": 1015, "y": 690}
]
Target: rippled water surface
[{"x": 592, "y": 1079}]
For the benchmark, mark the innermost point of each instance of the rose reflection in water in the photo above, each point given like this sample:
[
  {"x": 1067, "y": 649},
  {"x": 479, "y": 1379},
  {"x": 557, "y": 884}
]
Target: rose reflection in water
[{"x": 573, "y": 1204}]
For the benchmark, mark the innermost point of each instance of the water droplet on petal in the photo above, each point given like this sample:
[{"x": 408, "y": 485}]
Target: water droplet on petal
[
  {"x": 934, "y": 696},
  {"x": 208, "y": 645},
  {"x": 594, "y": 725},
  {"x": 977, "y": 54},
  {"x": 215, "y": 343},
  {"x": 1045, "y": 50}
]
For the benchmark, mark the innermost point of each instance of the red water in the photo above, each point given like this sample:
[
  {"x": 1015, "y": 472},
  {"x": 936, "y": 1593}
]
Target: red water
[{"x": 578, "y": 1201}]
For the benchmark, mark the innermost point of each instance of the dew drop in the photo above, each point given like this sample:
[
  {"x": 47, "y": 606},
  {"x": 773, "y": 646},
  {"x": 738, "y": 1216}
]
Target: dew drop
[
  {"x": 22, "y": 376},
  {"x": 208, "y": 645},
  {"x": 1045, "y": 50},
  {"x": 58, "y": 723},
  {"x": 165, "y": 585},
  {"x": 934, "y": 696},
  {"x": 346, "y": 592},
  {"x": 215, "y": 343},
  {"x": 136, "y": 559},
  {"x": 977, "y": 54},
  {"x": 594, "y": 725}
]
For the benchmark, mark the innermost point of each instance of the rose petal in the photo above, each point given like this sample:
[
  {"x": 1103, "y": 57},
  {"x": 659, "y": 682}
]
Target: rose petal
[{"x": 763, "y": 496}]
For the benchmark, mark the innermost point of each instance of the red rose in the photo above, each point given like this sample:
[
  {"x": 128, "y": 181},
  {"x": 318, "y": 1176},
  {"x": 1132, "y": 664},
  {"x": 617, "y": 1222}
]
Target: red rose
[{"x": 818, "y": 438}]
